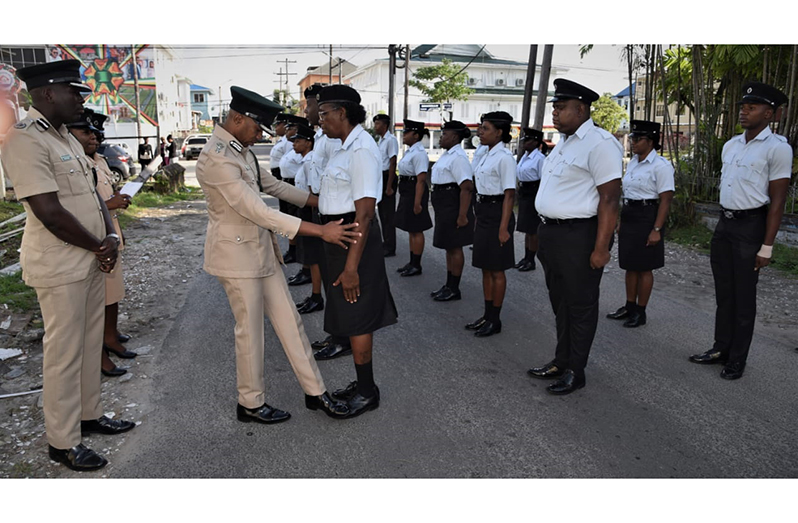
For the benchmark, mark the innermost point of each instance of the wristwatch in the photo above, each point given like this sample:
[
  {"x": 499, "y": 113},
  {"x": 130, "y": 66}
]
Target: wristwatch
[
  {"x": 657, "y": 229},
  {"x": 114, "y": 235}
]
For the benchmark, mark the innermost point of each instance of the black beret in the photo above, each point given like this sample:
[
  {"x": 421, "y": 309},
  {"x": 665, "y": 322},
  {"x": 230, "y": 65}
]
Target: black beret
[
  {"x": 645, "y": 128},
  {"x": 303, "y": 131},
  {"x": 338, "y": 93},
  {"x": 86, "y": 121},
  {"x": 313, "y": 91},
  {"x": 454, "y": 125},
  {"x": 533, "y": 133},
  {"x": 255, "y": 106},
  {"x": 383, "y": 117},
  {"x": 497, "y": 116},
  {"x": 281, "y": 118},
  {"x": 412, "y": 125},
  {"x": 759, "y": 93},
  {"x": 59, "y": 72},
  {"x": 566, "y": 89},
  {"x": 294, "y": 120}
]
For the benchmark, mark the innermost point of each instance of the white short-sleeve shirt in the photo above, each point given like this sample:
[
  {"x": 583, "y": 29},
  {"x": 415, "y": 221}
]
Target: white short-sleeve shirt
[
  {"x": 478, "y": 153},
  {"x": 495, "y": 172},
  {"x": 289, "y": 164},
  {"x": 279, "y": 149},
  {"x": 353, "y": 172},
  {"x": 389, "y": 147},
  {"x": 302, "y": 179},
  {"x": 414, "y": 162},
  {"x": 323, "y": 147},
  {"x": 452, "y": 167},
  {"x": 575, "y": 167},
  {"x": 529, "y": 166},
  {"x": 748, "y": 168},
  {"x": 646, "y": 179}
]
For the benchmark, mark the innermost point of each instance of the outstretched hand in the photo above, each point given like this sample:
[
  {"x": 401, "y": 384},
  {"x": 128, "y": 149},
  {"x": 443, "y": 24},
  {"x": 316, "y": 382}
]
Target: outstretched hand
[{"x": 337, "y": 234}]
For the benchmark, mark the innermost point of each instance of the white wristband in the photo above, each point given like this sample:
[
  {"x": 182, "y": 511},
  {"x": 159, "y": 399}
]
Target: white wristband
[{"x": 766, "y": 251}]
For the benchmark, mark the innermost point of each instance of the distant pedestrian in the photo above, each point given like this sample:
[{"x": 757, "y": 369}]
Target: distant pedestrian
[
  {"x": 528, "y": 172},
  {"x": 164, "y": 151},
  {"x": 174, "y": 155},
  {"x": 145, "y": 153}
]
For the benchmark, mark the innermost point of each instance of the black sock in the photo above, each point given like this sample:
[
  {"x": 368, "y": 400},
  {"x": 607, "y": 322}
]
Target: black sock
[
  {"x": 495, "y": 313},
  {"x": 529, "y": 255},
  {"x": 455, "y": 284},
  {"x": 306, "y": 271},
  {"x": 316, "y": 297},
  {"x": 630, "y": 306},
  {"x": 641, "y": 308},
  {"x": 365, "y": 380},
  {"x": 415, "y": 260},
  {"x": 449, "y": 279},
  {"x": 488, "y": 307}
]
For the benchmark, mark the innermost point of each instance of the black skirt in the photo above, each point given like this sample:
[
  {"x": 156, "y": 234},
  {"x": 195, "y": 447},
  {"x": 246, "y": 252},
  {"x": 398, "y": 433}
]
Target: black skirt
[
  {"x": 309, "y": 249},
  {"x": 528, "y": 218},
  {"x": 406, "y": 219},
  {"x": 375, "y": 308},
  {"x": 637, "y": 222},
  {"x": 446, "y": 203},
  {"x": 289, "y": 208},
  {"x": 488, "y": 254}
]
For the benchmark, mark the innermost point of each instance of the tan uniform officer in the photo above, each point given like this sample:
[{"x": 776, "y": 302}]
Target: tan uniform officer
[
  {"x": 67, "y": 245},
  {"x": 241, "y": 250}
]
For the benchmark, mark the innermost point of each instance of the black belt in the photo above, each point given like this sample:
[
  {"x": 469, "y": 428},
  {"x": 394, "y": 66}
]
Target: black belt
[
  {"x": 327, "y": 218},
  {"x": 635, "y": 203},
  {"x": 560, "y": 221},
  {"x": 734, "y": 215},
  {"x": 289, "y": 181},
  {"x": 490, "y": 198},
  {"x": 407, "y": 178},
  {"x": 444, "y": 186},
  {"x": 525, "y": 185}
]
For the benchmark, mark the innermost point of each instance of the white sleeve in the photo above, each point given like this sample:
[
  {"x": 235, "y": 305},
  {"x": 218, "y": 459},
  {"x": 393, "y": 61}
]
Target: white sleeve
[
  {"x": 664, "y": 174},
  {"x": 605, "y": 162},
  {"x": 507, "y": 170},
  {"x": 461, "y": 169},
  {"x": 780, "y": 164},
  {"x": 420, "y": 162},
  {"x": 393, "y": 147},
  {"x": 365, "y": 174}
]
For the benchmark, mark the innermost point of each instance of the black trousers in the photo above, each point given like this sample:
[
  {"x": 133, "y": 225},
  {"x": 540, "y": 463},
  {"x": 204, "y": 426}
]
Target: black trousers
[
  {"x": 387, "y": 211},
  {"x": 733, "y": 258},
  {"x": 564, "y": 253}
]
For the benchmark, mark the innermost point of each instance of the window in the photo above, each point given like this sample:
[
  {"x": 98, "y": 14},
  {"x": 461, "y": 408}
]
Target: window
[
  {"x": 660, "y": 109},
  {"x": 199, "y": 98}
]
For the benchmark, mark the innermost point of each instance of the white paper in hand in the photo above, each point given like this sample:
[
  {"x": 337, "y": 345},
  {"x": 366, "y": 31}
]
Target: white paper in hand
[{"x": 131, "y": 188}]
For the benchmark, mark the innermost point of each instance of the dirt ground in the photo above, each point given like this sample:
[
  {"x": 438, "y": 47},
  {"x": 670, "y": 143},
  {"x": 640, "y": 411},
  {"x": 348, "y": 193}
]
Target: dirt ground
[{"x": 163, "y": 254}]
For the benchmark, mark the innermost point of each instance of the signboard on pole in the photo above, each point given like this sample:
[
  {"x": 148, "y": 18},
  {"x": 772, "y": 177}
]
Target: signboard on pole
[{"x": 428, "y": 107}]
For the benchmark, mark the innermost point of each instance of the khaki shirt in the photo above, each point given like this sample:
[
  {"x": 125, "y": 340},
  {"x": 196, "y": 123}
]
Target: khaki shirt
[
  {"x": 240, "y": 242},
  {"x": 40, "y": 159},
  {"x": 105, "y": 188}
]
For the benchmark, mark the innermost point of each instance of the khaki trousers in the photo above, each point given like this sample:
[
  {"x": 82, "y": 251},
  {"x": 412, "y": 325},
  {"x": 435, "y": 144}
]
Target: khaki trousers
[
  {"x": 250, "y": 298},
  {"x": 73, "y": 338}
]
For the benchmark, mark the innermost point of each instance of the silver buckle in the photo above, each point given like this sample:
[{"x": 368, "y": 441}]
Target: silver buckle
[{"x": 728, "y": 214}]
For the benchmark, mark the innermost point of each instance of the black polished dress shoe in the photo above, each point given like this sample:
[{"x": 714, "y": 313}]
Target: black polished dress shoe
[
  {"x": 126, "y": 354},
  {"x": 345, "y": 394},
  {"x": 263, "y": 414},
  {"x": 404, "y": 267},
  {"x": 123, "y": 338},
  {"x": 448, "y": 295},
  {"x": 333, "y": 350},
  {"x": 476, "y": 324},
  {"x": 489, "y": 329},
  {"x": 302, "y": 303},
  {"x": 113, "y": 373},
  {"x": 288, "y": 257},
  {"x": 435, "y": 293},
  {"x": 318, "y": 345},
  {"x": 312, "y": 306},
  {"x": 79, "y": 457},
  {"x": 300, "y": 278},
  {"x": 334, "y": 409},
  {"x": 636, "y": 319},
  {"x": 520, "y": 264},
  {"x": 547, "y": 371},
  {"x": 620, "y": 314},
  {"x": 527, "y": 266},
  {"x": 411, "y": 271},
  {"x": 710, "y": 357},
  {"x": 733, "y": 371},
  {"x": 359, "y": 404},
  {"x": 103, "y": 425},
  {"x": 567, "y": 384}
]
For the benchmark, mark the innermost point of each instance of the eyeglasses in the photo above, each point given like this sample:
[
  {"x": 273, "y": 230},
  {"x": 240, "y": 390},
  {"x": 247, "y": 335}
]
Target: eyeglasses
[
  {"x": 638, "y": 138},
  {"x": 323, "y": 114}
]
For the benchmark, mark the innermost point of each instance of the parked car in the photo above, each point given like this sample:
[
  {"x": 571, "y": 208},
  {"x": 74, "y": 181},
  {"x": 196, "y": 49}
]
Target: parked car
[
  {"x": 193, "y": 147},
  {"x": 118, "y": 160},
  {"x": 191, "y": 137}
]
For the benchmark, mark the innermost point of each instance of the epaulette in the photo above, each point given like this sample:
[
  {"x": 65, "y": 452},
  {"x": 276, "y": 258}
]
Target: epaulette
[
  {"x": 43, "y": 124},
  {"x": 237, "y": 146}
]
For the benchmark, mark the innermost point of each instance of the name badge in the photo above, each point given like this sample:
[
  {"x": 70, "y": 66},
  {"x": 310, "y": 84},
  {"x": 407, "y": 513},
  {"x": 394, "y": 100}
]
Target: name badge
[{"x": 66, "y": 158}]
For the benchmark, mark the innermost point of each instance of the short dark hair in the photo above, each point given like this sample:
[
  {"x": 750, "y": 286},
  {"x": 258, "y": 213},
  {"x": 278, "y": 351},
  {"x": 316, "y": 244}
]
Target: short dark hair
[{"x": 355, "y": 113}]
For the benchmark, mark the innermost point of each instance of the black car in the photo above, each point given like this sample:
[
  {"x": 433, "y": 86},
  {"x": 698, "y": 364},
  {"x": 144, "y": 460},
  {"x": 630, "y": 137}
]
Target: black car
[{"x": 118, "y": 160}]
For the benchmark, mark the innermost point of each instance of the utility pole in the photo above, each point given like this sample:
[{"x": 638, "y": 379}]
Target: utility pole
[
  {"x": 543, "y": 86},
  {"x": 407, "y": 79},
  {"x": 330, "y": 67},
  {"x": 391, "y": 82},
  {"x": 286, "y": 74},
  {"x": 136, "y": 89},
  {"x": 528, "y": 84}
]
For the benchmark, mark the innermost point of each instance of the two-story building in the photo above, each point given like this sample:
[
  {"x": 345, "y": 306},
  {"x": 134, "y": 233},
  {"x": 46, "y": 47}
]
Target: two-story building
[{"x": 200, "y": 105}]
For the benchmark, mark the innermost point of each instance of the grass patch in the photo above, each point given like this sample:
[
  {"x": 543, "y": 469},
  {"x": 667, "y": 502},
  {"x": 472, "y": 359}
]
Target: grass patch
[
  {"x": 10, "y": 209},
  {"x": 147, "y": 199},
  {"x": 785, "y": 258},
  {"x": 16, "y": 295}
]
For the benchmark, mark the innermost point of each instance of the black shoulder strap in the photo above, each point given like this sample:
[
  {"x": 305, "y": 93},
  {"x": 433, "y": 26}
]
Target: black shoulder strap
[{"x": 257, "y": 169}]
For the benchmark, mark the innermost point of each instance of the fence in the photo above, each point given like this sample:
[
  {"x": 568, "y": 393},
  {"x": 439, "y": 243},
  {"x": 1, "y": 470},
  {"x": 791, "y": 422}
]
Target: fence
[{"x": 706, "y": 189}]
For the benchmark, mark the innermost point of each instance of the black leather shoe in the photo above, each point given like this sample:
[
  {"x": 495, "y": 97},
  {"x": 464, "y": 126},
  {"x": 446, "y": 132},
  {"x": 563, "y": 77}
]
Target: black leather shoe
[
  {"x": 79, "y": 457},
  {"x": 733, "y": 371},
  {"x": 264, "y": 414},
  {"x": 103, "y": 425},
  {"x": 288, "y": 257},
  {"x": 333, "y": 350},
  {"x": 566, "y": 385},
  {"x": 346, "y": 393},
  {"x": 404, "y": 267},
  {"x": 318, "y": 345},
  {"x": 411, "y": 271},
  {"x": 520, "y": 264},
  {"x": 636, "y": 319},
  {"x": 527, "y": 266},
  {"x": 334, "y": 409},
  {"x": 300, "y": 278},
  {"x": 709, "y": 357},
  {"x": 448, "y": 295},
  {"x": 302, "y": 303},
  {"x": 620, "y": 314},
  {"x": 312, "y": 306},
  {"x": 126, "y": 354},
  {"x": 359, "y": 404},
  {"x": 114, "y": 373},
  {"x": 389, "y": 254},
  {"x": 547, "y": 371},
  {"x": 435, "y": 293},
  {"x": 476, "y": 324},
  {"x": 123, "y": 338},
  {"x": 489, "y": 329}
]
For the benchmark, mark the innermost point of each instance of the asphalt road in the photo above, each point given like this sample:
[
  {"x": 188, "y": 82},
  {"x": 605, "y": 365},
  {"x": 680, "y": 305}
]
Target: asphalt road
[{"x": 455, "y": 406}]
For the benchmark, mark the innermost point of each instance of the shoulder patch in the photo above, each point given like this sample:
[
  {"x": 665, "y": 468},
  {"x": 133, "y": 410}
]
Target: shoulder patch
[
  {"x": 41, "y": 122},
  {"x": 237, "y": 146},
  {"x": 219, "y": 147},
  {"x": 21, "y": 125}
]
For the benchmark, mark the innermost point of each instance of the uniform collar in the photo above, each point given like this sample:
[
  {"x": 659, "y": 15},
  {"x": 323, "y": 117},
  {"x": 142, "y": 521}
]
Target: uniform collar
[
  {"x": 764, "y": 134},
  {"x": 43, "y": 124},
  {"x": 498, "y": 147},
  {"x": 454, "y": 149},
  {"x": 416, "y": 146},
  {"x": 353, "y": 136},
  {"x": 585, "y": 128},
  {"x": 386, "y": 135},
  {"x": 649, "y": 158},
  {"x": 318, "y": 134},
  {"x": 229, "y": 139}
]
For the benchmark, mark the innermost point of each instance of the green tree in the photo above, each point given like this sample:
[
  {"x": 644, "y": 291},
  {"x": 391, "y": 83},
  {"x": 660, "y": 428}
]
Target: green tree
[
  {"x": 607, "y": 114},
  {"x": 442, "y": 83}
]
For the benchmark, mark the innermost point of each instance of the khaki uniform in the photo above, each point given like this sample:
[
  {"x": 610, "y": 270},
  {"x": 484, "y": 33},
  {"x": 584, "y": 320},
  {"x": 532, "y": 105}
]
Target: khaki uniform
[
  {"x": 41, "y": 159},
  {"x": 114, "y": 281},
  {"x": 241, "y": 250}
]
